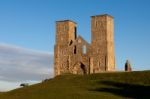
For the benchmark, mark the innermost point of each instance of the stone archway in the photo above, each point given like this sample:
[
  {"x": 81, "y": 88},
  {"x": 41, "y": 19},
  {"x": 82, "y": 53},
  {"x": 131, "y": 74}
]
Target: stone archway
[
  {"x": 83, "y": 68},
  {"x": 79, "y": 68}
]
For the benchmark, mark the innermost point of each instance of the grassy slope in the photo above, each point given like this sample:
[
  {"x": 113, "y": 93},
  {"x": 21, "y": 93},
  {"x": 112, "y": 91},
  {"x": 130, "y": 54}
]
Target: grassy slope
[{"x": 96, "y": 86}]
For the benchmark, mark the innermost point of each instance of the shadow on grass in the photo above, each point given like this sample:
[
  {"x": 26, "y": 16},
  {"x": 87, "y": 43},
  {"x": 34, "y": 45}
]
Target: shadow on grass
[{"x": 125, "y": 90}]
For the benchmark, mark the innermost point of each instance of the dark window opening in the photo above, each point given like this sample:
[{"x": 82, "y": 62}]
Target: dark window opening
[
  {"x": 75, "y": 31},
  {"x": 67, "y": 64},
  {"x": 83, "y": 68},
  {"x": 75, "y": 49},
  {"x": 70, "y": 42}
]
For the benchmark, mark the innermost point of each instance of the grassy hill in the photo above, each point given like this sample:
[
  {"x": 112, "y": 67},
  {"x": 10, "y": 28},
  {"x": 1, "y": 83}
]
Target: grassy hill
[{"x": 95, "y": 86}]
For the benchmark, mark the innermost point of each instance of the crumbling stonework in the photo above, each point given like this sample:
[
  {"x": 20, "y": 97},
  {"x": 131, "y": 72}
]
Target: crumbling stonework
[
  {"x": 128, "y": 66},
  {"x": 73, "y": 54}
]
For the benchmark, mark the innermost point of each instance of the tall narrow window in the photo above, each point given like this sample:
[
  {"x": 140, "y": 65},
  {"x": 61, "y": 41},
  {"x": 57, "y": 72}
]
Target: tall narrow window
[
  {"x": 84, "y": 49},
  {"x": 75, "y": 32},
  {"x": 67, "y": 64},
  {"x": 75, "y": 49}
]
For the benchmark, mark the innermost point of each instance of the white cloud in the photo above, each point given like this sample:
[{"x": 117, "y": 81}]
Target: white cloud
[
  {"x": 5, "y": 86},
  {"x": 20, "y": 65}
]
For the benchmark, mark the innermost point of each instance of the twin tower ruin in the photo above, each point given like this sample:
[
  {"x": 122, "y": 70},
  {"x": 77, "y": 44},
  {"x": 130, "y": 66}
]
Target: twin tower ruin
[{"x": 73, "y": 54}]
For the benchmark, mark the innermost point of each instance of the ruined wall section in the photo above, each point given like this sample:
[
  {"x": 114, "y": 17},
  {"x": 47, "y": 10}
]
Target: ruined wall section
[{"x": 79, "y": 55}]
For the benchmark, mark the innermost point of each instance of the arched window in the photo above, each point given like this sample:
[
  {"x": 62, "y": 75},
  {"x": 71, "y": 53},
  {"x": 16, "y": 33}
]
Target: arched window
[{"x": 84, "y": 49}]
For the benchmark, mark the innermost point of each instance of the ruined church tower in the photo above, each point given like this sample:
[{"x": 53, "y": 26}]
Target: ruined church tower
[
  {"x": 65, "y": 35},
  {"x": 75, "y": 55},
  {"x": 102, "y": 28}
]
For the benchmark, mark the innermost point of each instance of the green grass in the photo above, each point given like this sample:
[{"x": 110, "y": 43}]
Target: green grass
[{"x": 96, "y": 86}]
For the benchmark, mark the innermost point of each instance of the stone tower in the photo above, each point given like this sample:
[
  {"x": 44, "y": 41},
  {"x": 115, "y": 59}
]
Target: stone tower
[
  {"x": 102, "y": 27},
  {"x": 65, "y": 35}
]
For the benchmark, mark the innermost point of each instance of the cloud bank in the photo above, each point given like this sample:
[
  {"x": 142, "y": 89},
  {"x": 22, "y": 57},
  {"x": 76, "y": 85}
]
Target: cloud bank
[{"x": 23, "y": 65}]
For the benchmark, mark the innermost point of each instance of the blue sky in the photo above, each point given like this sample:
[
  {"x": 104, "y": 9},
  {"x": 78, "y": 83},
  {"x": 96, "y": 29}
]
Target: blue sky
[{"x": 30, "y": 24}]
